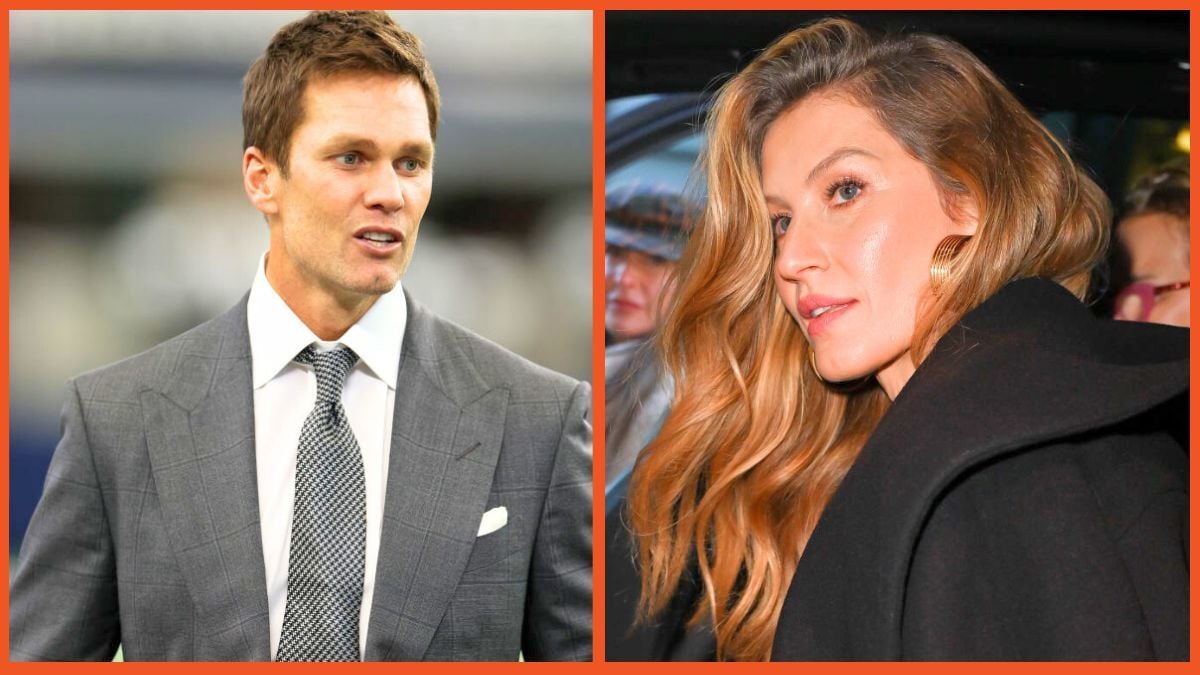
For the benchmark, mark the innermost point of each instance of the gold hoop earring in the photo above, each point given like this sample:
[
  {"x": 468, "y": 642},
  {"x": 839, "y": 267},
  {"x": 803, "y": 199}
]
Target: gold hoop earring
[
  {"x": 943, "y": 260},
  {"x": 812, "y": 361}
]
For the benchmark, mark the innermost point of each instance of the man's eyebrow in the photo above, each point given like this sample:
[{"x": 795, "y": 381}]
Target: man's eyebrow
[
  {"x": 419, "y": 149},
  {"x": 834, "y": 157}
]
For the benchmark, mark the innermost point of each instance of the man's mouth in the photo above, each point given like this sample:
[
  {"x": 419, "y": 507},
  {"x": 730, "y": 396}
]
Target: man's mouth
[{"x": 378, "y": 237}]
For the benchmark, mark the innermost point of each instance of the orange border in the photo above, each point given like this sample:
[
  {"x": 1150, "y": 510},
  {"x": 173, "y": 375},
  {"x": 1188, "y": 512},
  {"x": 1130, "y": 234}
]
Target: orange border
[
  {"x": 886, "y": 5},
  {"x": 598, "y": 7},
  {"x": 1194, "y": 406},
  {"x": 598, "y": 477},
  {"x": 4, "y": 394}
]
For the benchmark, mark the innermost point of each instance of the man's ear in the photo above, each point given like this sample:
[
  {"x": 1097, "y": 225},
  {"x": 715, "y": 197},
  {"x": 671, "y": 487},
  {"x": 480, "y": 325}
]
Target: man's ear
[{"x": 260, "y": 176}]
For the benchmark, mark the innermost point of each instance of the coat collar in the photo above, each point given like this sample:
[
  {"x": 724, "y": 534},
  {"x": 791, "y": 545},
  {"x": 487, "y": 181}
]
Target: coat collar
[{"x": 1028, "y": 366}]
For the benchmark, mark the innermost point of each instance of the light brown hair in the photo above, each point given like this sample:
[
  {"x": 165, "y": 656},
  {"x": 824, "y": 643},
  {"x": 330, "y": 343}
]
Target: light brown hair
[
  {"x": 323, "y": 44},
  {"x": 755, "y": 445},
  {"x": 1163, "y": 190}
]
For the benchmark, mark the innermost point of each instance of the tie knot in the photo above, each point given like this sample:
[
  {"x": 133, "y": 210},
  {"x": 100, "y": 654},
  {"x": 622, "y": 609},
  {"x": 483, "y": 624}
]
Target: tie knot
[{"x": 331, "y": 368}]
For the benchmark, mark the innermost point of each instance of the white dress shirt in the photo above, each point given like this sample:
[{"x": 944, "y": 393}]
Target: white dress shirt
[{"x": 284, "y": 394}]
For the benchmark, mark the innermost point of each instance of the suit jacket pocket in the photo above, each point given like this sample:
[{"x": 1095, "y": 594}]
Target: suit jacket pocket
[{"x": 497, "y": 555}]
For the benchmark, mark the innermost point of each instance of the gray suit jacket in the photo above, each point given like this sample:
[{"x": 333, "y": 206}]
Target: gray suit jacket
[{"x": 148, "y": 536}]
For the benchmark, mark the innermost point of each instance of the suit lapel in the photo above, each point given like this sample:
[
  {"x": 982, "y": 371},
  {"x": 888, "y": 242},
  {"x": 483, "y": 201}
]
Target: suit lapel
[
  {"x": 200, "y": 437},
  {"x": 446, "y": 437}
]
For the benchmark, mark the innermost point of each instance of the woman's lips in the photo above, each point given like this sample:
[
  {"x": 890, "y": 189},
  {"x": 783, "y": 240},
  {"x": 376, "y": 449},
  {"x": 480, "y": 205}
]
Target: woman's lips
[{"x": 821, "y": 315}]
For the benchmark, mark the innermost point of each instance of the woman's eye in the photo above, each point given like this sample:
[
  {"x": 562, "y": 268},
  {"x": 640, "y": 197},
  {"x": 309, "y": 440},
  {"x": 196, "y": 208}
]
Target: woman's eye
[
  {"x": 845, "y": 190},
  {"x": 780, "y": 223}
]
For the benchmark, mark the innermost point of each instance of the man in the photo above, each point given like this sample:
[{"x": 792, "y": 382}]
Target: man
[{"x": 327, "y": 471}]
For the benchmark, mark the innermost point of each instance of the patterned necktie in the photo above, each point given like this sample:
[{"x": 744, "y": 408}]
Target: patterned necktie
[{"x": 329, "y": 525}]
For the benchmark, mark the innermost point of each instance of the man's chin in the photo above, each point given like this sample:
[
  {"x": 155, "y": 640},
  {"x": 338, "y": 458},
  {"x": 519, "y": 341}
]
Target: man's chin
[
  {"x": 383, "y": 278},
  {"x": 379, "y": 285}
]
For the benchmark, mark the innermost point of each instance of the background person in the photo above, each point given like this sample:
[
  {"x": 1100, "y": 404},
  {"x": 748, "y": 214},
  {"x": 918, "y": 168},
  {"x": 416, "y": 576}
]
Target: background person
[
  {"x": 1154, "y": 237},
  {"x": 643, "y": 239},
  {"x": 644, "y": 234}
]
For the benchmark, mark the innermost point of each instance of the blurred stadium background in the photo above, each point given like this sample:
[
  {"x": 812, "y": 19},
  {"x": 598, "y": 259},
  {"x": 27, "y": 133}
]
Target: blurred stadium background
[{"x": 128, "y": 222}]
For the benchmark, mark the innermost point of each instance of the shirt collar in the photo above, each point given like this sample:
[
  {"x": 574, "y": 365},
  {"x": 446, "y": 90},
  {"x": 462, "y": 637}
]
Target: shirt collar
[{"x": 277, "y": 334}]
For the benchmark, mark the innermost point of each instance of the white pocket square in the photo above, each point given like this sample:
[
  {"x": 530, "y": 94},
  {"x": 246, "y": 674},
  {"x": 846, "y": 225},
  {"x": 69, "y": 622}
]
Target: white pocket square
[{"x": 492, "y": 520}]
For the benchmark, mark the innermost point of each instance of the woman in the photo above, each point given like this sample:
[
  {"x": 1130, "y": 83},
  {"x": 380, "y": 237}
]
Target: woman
[
  {"x": 1154, "y": 239},
  {"x": 897, "y": 433}
]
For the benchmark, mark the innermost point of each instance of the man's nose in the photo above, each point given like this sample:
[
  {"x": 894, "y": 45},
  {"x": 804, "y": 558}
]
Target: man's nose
[{"x": 386, "y": 190}]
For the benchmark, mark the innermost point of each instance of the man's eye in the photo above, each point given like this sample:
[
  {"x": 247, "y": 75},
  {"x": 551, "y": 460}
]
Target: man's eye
[
  {"x": 348, "y": 159},
  {"x": 410, "y": 165}
]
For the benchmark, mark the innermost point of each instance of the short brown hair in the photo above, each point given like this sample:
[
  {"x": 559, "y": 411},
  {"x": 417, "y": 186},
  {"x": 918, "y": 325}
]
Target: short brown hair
[{"x": 319, "y": 45}]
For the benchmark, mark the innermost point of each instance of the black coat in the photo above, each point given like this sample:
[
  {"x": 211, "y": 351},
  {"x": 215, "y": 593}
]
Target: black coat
[
  {"x": 667, "y": 637},
  {"x": 1025, "y": 497}
]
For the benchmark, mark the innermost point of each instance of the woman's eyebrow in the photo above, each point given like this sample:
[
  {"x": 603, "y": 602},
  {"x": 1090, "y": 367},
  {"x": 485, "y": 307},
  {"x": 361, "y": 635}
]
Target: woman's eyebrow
[{"x": 834, "y": 156}]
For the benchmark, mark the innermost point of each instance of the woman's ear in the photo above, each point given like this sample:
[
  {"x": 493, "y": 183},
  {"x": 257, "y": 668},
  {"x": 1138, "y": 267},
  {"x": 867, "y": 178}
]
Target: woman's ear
[
  {"x": 965, "y": 214},
  {"x": 260, "y": 177}
]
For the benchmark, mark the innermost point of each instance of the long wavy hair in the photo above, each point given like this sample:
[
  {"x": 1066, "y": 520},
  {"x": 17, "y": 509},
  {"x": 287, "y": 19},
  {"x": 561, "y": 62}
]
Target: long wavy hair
[{"x": 755, "y": 445}]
